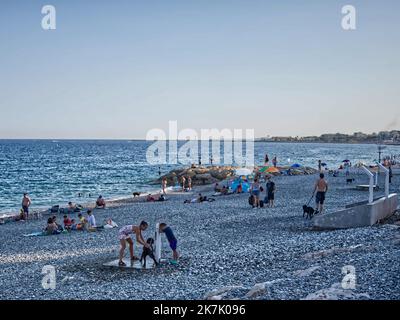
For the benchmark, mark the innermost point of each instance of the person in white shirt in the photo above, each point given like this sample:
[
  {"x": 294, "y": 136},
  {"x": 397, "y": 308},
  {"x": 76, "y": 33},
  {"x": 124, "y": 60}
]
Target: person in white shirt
[{"x": 91, "y": 220}]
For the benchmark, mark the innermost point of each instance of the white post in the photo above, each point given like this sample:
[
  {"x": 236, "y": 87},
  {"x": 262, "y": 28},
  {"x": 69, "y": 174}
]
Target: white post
[
  {"x": 386, "y": 170},
  {"x": 371, "y": 184},
  {"x": 157, "y": 241}
]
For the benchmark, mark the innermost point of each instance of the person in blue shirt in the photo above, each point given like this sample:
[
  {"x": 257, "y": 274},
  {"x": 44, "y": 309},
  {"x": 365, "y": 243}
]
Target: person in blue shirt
[{"x": 171, "y": 239}]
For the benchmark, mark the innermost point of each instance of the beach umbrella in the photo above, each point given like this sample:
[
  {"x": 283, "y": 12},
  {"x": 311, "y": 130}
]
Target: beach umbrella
[
  {"x": 347, "y": 160},
  {"x": 243, "y": 172},
  {"x": 273, "y": 170},
  {"x": 296, "y": 165}
]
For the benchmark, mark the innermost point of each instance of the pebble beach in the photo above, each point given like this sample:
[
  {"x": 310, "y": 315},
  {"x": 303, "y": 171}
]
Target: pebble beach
[{"x": 228, "y": 251}]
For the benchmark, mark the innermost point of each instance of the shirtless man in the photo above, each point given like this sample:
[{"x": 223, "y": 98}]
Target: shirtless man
[
  {"x": 125, "y": 236},
  {"x": 26, "y": 202},
  {"x": 321, "y": 187}
]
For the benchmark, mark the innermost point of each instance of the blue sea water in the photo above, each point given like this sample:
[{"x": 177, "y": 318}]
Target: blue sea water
[{"x": 55, "y": 172}]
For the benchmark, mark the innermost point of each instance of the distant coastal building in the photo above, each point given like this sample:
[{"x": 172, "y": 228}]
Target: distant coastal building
[{"x": 382, "y": 137}]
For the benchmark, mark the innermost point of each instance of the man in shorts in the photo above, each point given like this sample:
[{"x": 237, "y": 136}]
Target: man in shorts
[
  {"x": 26, "y": 202},
  {"x": 321, "y": 187}
]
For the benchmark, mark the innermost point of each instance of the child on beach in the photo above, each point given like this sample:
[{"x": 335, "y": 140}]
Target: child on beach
[
  {"x": 125, "y": 236},
  {"x": 67, "y": 223},
  {"x": 171, "y": 239},
  {"x": 82, "y": 222}
]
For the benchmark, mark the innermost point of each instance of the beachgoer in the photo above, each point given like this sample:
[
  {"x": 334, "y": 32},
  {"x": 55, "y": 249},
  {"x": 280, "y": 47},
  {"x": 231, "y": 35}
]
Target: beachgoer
[
  {"x": 164, "y": 185},
  {"x": 82, "y": 222},
  {"x": 239, "y": 188},
  {"x": 217, "y": 188},
  {"x": 390, "y": 174},
  {"x": 91, "y": 220},
  {"x": 26, "y": 202},
  {"x": 171, "y": 239},
  {"x": 255, "y": 191},
  {"x": 321, "y": 187},
  {"x": 67, "y": 223},
  {"x": 51, "y": 227},
  {"x": 275, "y": 161},
  {"x": 266, "y": 160},
  {"x": 100, "y": 202},
  {"x": 319, "y": 165},
  {"x": 150, "y": 198},
  {"x": 59, "y": 226},
  {"x": 183, "y": 183},
  {"x": 270, "y": 189},
  {"x": 125, "y": 237},
  {"x": 189, "y": 182}
]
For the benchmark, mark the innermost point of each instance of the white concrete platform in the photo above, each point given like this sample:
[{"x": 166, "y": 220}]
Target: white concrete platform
[
  {"x": 358, "y": 216},
  {"x": 130, "y": 264},
  {"x": 365, "y": 187}
]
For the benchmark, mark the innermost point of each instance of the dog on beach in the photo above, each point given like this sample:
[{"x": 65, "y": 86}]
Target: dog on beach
[
  {"x": 350, "y": 180},
  {"x": 308, "y": 212},
  {"x": 136, "y": 194},
  {"x": 148, "y": 252}
]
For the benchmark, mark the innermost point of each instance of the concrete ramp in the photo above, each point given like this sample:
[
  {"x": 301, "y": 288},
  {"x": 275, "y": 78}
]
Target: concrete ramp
[{"x": 358, "y": 216}]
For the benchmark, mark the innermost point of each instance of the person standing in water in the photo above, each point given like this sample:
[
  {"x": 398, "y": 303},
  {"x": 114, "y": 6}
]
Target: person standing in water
[
  {"x": 125, "y": 234},
  {"x": 319, "y": 165},
  {"x": 321, "y": 187},
  {"x": 266, "y": 160},
  {"x": 26, "y": 203}
]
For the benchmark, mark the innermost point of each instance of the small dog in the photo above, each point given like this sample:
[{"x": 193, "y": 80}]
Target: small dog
[
  {"x": 136, "y": 194},
  {"x": 148, "y": 252},
  {"x": 308, "y": 212},
  {"x": 350, "y": 180}
]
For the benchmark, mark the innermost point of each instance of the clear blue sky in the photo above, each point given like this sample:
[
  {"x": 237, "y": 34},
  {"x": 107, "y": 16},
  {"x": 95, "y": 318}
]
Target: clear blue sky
[{"x": 115, "y": 69}]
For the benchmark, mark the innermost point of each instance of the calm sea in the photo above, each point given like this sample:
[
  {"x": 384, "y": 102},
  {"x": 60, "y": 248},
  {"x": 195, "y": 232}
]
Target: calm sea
[{"x": 55, "y": 172}]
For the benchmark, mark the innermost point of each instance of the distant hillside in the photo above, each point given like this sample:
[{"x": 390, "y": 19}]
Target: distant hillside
[{"x": 382, "y": 137}]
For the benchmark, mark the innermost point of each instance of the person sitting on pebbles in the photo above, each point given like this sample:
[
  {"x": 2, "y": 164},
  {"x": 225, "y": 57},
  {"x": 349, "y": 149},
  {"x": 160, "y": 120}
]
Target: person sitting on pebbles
[
  {"x": 125, "y": 237},
  {"x": 100, "y": 203}
]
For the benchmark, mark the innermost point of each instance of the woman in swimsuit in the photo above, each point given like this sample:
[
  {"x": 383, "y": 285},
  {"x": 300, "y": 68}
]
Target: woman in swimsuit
[{"x": 125, "y": 236}]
